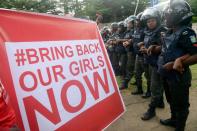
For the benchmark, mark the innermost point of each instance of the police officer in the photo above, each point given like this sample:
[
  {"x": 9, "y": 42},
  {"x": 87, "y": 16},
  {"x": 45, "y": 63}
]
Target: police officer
[
  {"x": 110, "y": 45},
  {"x": 128, "y": 44},
  {"x": 152, "y": 38},
  {"x": 120, "y": 50},
  {"x": 105, "y": 33},
  {"x": 179, "y": 50},
  {"x": 138, "y": 37}
]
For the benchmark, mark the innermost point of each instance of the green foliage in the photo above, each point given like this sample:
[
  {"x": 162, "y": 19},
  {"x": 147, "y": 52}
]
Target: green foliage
[
  {"x": 112, "y": 10},
  {"x": 42, "y": 6},
  {"x": 193, "y": 4},
  {"x": 194, "y": 19},
  {"x": 194, "y": 76}
]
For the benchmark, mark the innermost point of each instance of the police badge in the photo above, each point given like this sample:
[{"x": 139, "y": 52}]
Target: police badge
[{"x": 193, "y": 39}]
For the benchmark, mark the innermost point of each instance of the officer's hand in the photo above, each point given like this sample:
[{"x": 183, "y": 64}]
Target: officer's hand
[
  {"x": 108, "y": 41},
  {"x": 143, "y": 50},
  {"x": 106, "y": 45},
  {"x": 114, "y": 42},
  {"x": 150, "y": 49},
  {"x": 140, "y": 44},
  {"x": 168, "y": 66},
  {"x": 178, "y": 66},
  {"x": 125, "y": 44},
  {"x": 118, "y": 41}
]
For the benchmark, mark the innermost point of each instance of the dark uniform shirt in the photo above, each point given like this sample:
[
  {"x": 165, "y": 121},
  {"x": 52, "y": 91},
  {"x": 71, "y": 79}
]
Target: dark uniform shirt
[
  {"x": 119, "y": 47},
  {"x": 113, "y": 36},
  {"x": 105, "y": 35},
  {"x": 153, "y": 38},
  {"x": 175, "y": 45},
  {"x": 138, "y": 36},
  {"x": 178, "y": 44},
  {"x": 129, "y": 35}
]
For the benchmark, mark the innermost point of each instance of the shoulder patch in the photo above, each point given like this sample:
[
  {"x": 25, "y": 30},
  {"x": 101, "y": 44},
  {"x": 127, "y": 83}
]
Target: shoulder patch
[
  {"x": 185, "y": 33},
  {"x": 193, "y": 39}
]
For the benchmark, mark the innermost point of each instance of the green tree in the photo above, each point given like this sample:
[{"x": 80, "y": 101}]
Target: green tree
[
  {"x": 112, "y": 10},
  {"x": 43, "y": 6},
  {"x": 193, "y": 4}
]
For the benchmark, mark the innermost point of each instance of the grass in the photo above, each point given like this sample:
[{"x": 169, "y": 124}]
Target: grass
[
  {"x": 194, "y": 76},
  {"x": 194, "y": 79}
]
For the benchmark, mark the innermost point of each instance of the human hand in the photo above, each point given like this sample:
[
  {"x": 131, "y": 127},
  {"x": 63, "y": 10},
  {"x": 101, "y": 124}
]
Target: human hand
[
  {"x": 168, "y": 66},
  {"x": 143, "y": 50},
  {"x": 178, "y": 66},
  {"x": 125, "y": 44},
  {"x": 150, "y": 49}
]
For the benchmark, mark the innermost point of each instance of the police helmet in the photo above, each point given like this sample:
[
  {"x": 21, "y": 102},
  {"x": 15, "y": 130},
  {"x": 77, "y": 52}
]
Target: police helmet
[
  {"x": 176, "y": 12},
  {"x": 114, "y": 25},
  {"x": 105, "y": 29},
  {"x": 131, "y": 18},
  {"x": 139, "y": 16},
  {"x": 121, "y": 24},
  {"x": 151, "y": 12},
  {"x": 138, "y": 19}
]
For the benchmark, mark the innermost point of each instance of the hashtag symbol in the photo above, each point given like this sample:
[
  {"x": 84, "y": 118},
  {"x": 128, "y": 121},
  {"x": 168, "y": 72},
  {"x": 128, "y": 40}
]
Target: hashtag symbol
[{"x": 20, "y": 57}]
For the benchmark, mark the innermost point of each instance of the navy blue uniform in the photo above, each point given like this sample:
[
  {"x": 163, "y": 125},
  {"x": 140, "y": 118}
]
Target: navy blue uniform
[
  {"x": 138, "y": 37},
  {"x": 111, "y": 52},
  {"x": 120, "y": 59},
  {"x": 130, "y": 60},
  {"x": 175, "y": 45},
  {"x": 154, "y": 38}
]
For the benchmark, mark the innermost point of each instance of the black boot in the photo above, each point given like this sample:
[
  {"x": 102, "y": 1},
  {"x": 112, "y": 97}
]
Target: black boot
[
  {"x": 161, "y": 104},
  {"x": 149, "y": 114},
  {"x": 147, "y": 95},
  {"x": 171, "y": 121},
  {"x": 168, "y": 122}
]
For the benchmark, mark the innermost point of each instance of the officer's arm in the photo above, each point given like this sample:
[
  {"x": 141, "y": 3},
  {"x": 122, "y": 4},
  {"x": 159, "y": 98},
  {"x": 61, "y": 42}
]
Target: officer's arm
[
  {"x": 130, "y": 41},
  {"x": 190, "y": 60},
  {"x": 140, "y": 44},
  {"x": 110, "y": 41},
  {"x": 154, "y": 49},
  {"x": 157, "y": 50},
  {"x": 123, "y": 40},
  {"x": 185, "y": 60},
  {"x": 178, "y": 63},
  {"x": 188, "y": 42}
]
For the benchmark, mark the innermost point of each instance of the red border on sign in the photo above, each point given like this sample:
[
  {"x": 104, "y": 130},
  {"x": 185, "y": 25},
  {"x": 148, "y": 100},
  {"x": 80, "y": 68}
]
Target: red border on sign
[{"x": 88, "y": 31}]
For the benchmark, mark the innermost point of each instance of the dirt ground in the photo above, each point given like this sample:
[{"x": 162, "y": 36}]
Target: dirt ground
[{"x": 136, "y": 106}]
